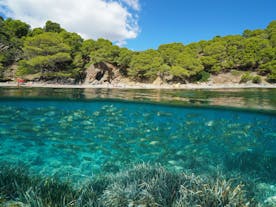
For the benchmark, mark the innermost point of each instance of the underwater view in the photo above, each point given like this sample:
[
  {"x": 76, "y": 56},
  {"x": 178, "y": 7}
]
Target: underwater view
[{"x": 102, "y": 147}]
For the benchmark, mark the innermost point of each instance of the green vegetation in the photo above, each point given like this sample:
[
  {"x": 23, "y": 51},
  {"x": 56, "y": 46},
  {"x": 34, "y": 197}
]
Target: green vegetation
[
  {"x": 257, "y": 79},
  {"x": 44, "y": 53},
  {"x": 203, "y": 76},
  {"x": 246, "y": 77},
  {"x": 236, "y": 72},
  {"x": 12, "y": 33},
  {"x": 269, "y": 68},
  {"x": 141, "y": 185},
  {"x": 52, "y": 52},
  {"x": 145, "y": 65}
]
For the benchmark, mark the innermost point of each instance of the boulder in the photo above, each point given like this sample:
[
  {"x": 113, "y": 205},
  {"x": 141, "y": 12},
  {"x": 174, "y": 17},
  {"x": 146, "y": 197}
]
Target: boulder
[{"x": 158, "y": 81}]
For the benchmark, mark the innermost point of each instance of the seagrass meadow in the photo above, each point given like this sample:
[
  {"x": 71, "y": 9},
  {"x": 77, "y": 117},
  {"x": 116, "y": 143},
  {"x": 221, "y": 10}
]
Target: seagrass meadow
[{"x": 137, "y": 148}]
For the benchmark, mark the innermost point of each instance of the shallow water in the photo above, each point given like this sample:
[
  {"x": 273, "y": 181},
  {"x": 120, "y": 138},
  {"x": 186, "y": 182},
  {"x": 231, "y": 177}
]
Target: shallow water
[{"x": 78, "y": 138}]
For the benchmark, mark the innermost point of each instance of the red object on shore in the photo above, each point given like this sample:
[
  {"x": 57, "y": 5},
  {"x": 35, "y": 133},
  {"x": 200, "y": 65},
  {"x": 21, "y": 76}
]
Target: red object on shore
[{"x": 20, "y": 80}]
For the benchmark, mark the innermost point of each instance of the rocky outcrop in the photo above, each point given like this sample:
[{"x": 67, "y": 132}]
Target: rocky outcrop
[
  {"x": 102, "y": 73},
  {"x": 9, "y": 73}
]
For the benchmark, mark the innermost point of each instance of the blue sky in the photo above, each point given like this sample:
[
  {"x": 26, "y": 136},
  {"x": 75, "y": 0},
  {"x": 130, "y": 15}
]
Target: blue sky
[
  {"x": 193, "y": 20},
  {"x": 144, "y": 24}
]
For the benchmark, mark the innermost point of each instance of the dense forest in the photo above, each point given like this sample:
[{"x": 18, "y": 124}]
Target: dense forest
[{"x": 53, "y": 52}]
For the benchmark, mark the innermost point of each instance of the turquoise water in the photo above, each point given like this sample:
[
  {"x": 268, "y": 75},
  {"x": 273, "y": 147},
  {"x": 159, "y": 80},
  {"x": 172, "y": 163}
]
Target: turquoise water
[
  {"x": 79, "y": 136},
  {"x": 78, "y": 139}
]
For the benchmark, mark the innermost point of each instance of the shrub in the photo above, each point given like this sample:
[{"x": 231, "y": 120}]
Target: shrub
[
  {"x": 257, "y": 79},
  {"x": 203, "y": 76},
  {"x": 272, "y": 77},
  {"x": 216, "y": 69},
  {"x": 246, "y": 77},
  {"x": 235, "y": 72}
]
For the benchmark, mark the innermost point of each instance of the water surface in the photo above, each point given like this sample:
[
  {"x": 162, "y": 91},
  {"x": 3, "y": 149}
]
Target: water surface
[{"x": 260, "y": 99}]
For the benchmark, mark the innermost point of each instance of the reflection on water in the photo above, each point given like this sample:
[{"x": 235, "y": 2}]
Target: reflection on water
[{"x": 264, "y": 99}]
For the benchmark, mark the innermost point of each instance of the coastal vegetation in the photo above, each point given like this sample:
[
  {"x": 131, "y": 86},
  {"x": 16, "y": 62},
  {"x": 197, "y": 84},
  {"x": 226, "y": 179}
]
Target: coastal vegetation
[{"x": 53, "y": 52}]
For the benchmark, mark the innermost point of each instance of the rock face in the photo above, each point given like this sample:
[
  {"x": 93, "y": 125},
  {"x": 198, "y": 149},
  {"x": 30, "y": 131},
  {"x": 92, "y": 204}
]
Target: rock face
[
  {"x": 102, "y": 73},
  {"x": 9, "y": 73}
]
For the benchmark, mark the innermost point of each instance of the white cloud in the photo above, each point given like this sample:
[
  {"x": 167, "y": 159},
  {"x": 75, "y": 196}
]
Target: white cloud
[
  {"x": 90, "y": 18},
  {"x": 134, "y": 4},
  {"x": 121, "y": 43}
]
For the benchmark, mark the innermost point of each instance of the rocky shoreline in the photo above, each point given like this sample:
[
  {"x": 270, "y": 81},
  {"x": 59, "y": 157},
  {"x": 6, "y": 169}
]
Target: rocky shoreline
[{"x": 140, "y": 85}]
